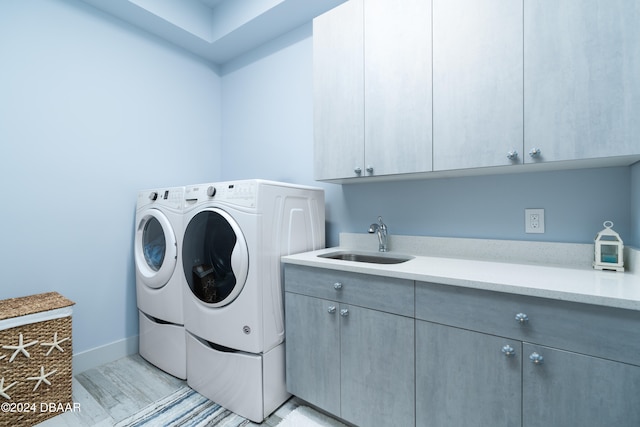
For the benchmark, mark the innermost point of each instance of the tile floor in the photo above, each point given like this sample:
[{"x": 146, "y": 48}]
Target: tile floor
[{"x": 111, "y": 392}]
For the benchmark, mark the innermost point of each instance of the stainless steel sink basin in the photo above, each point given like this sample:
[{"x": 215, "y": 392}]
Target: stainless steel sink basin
[{"x": 370, "y": 257}]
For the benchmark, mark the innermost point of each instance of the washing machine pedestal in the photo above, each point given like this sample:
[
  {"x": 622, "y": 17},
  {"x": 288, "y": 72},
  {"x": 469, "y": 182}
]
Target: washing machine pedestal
[
  {"x": 251, "y": 385},
  {"x": 163, "y": 345}
]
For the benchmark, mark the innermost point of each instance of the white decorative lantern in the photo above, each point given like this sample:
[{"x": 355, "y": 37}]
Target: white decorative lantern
[{"x": 609, "y": 249}]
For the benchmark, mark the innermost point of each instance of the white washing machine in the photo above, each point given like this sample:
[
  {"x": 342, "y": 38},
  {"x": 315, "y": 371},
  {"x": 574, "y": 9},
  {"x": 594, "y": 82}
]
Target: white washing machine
[
  {"x": 158, "y": 236},
  {"x": 234, "y": 236}
]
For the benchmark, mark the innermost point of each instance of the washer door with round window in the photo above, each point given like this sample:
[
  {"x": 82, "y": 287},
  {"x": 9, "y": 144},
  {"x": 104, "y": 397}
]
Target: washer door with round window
[
  {"x": 215, "y": 257},
  {"x": 156, "y": 249}
]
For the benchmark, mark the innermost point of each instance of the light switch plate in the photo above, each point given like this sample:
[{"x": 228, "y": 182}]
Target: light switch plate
[{"x": 534, "y": 220}]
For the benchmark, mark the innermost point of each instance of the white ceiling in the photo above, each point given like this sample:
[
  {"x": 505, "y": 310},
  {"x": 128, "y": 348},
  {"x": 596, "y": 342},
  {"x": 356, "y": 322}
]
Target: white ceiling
[{"x": 216, "y": 30}]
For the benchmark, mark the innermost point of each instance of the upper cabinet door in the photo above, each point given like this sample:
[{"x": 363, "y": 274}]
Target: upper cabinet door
[
  {"x": 582, "y": 78},
  {"x": 477, "y": 83},
  {"x": 397, "y": 74},
  {"x": 338, "y": 38}
]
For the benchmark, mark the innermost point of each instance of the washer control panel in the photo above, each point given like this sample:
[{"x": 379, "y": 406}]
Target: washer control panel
[
  {"x": 171, "y": 197},
  {"x": 242, "y": 193},
  {"x": 239, "y": 193}
]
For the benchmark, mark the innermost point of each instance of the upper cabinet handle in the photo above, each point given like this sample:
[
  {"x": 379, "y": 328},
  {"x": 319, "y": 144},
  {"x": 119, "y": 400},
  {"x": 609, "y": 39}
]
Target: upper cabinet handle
[{"x": 535, "y": 152}]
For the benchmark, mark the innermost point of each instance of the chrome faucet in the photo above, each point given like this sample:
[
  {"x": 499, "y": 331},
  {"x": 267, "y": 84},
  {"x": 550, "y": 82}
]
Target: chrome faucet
[{"x": 381, "y": 229}]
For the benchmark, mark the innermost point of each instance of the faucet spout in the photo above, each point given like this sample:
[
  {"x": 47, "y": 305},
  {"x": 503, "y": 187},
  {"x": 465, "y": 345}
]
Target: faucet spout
[{"x": 381, "y": 229}]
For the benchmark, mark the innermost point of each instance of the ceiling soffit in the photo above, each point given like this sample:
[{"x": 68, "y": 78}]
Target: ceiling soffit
[{"x": 216, "y": 30}]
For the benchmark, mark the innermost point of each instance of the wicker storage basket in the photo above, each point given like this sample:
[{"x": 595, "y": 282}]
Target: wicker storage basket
[{"x": 35, "y": 358}]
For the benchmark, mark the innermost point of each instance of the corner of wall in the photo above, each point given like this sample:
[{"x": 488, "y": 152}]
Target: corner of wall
[{"x": 97, "y": 356}]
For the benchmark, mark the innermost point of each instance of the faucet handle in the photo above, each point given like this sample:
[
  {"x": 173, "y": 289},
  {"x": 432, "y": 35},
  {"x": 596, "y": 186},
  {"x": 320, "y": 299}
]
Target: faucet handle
[{"x": 382, "y": 224}]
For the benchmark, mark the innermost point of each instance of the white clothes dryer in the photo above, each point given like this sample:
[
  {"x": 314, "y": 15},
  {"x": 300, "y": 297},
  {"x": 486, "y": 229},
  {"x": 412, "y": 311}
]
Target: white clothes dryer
[
  {"x": 234, "y": 236},
  {"x": 158, "y": 236}
]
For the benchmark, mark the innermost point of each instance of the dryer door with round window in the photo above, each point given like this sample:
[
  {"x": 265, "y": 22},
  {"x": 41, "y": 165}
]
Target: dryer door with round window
[
  {"x": 156, "y": 248},
  {"x": 215, "y": 257}
]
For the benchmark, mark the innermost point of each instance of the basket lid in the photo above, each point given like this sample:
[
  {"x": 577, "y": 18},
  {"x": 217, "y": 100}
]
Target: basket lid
[{"x": 22, "y": 306}]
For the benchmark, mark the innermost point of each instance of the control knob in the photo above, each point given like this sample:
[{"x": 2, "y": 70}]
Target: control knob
[
  {"x": 153, "y": 196},
  {"x": 211, "y": 191}
]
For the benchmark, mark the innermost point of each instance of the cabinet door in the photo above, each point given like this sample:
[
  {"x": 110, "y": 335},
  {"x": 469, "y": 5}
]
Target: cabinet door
[
  {"x": 570, "y": 389},
  {"x": 397, "y": 75},
  {"x": 378, "y": 374},
  {"x": 582, "y": 92},
  {"x": 313, "y": 350},
  {"x": 338, "y": 92},
  {"x": 464, "y": 379},
  {"x": 477, "y": 83}
]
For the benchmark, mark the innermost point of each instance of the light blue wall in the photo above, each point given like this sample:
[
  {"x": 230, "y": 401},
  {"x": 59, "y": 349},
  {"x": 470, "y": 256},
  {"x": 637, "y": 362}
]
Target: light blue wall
[
  {"x": 267, "y": 119},
  {"x": 493, "y": 206},
  {"x": 268, "y": 133},
  {"x": 91, "y": 111},
  {"x": 267, "y": 114}
]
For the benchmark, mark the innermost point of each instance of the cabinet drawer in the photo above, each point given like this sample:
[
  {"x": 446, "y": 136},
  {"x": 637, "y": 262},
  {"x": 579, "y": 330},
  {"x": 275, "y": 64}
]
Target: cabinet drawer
[
  {"x": 379, "y": 293},
  {"x": 589, "y": 329}
]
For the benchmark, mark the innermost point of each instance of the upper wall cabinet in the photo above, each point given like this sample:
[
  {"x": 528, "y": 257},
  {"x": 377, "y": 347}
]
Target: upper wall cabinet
[
  {"x": 397, "y": 81},
  {"x": 477, "y": 83},
  {"x": 500, "y": 85},
  {"x": 372, "y": 89},
  {"x": 338, "y": 78},
  {"x": 582, "y": 78}
]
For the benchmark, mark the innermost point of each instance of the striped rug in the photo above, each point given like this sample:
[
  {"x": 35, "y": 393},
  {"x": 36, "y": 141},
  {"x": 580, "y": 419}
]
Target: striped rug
[{"x": 184, "y": 408}]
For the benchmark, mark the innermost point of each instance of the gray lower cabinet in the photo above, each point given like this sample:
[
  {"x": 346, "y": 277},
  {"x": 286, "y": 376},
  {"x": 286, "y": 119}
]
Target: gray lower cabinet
[
  {"x": 464, "y": 379},
  {"x": 377, "y": 368},
  {"x": 355, "y": 362},
  {"x": 379, "y": 351},
  {"x": 488, "y": 358},
  {"x": 313, "y": 351},
  {"x": 571, "y": 389}
]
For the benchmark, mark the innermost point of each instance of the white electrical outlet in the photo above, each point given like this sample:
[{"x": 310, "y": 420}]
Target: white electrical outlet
[{"x": 534, "y": 220}]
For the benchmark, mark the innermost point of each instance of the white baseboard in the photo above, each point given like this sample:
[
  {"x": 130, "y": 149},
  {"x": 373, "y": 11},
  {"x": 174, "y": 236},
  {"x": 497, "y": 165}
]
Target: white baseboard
[{"x": 104, "y": 354}]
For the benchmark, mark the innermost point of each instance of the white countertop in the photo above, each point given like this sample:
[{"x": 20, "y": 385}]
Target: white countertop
[{"x": 578, "y": 284}]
